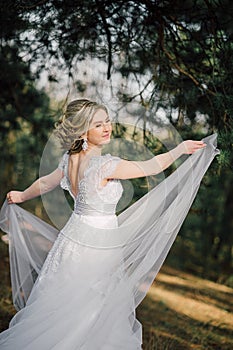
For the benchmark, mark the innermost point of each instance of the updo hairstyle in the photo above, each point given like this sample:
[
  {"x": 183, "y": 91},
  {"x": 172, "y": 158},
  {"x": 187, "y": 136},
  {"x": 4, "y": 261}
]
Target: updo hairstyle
[{"x": 75, "y": 122}]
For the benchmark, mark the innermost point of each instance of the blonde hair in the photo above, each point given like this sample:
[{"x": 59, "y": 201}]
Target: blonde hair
[{"x": 75, "y": 122}]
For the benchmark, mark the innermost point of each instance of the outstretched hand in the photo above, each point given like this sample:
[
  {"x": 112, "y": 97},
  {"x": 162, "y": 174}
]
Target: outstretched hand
[
  {"x": 190, "y": 146},
  {"x": 14, "y": 197}
]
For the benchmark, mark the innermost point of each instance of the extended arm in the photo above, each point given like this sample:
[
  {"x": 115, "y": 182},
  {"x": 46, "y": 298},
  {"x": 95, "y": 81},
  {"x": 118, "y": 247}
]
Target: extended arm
[
  {"x": 40, "y": 186},
  {"x": 130, "y": 169}
]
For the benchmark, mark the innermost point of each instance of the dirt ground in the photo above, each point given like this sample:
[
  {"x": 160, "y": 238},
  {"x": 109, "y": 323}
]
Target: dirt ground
[{"x": 182, "y": 312}]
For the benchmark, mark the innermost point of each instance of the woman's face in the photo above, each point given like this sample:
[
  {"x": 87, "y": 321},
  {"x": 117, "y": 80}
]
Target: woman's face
[{"x": 100, "y": 129}]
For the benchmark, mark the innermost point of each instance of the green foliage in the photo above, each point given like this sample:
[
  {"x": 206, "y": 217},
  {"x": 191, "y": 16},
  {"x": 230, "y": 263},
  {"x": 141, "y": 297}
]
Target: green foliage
[
  {"x": 24, "y": 121},
  {"x": 24, "y": 110}
]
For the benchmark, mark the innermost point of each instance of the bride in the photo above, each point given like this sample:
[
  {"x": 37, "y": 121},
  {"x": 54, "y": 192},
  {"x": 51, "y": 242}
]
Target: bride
[{"x": 79, "y": 288}]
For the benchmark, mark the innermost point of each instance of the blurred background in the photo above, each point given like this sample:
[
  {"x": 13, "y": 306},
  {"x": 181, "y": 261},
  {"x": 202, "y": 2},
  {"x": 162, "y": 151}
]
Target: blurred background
[{"x": 165, "y": 66}]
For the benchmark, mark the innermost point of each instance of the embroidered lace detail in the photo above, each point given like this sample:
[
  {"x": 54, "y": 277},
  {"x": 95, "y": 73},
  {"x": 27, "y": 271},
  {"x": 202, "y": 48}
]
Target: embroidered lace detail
[
  {"x": 63, "y": 249},
  {"x": 63, "y": 165},
  {"x": 92, "y": 197},
  {"x": 82, "y": 191}
]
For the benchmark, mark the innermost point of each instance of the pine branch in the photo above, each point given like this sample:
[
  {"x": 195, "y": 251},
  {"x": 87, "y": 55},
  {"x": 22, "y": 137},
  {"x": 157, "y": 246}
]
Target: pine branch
[
  {"x": 172, "y": 59},
  {"x": 108, "y": 35}
]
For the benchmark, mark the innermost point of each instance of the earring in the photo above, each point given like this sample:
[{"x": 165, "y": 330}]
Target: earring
[{"x": 85, "y": 145}]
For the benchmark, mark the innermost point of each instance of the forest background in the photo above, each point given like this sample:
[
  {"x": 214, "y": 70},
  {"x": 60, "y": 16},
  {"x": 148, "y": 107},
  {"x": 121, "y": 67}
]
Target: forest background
[{"x": 164, "y": 63}]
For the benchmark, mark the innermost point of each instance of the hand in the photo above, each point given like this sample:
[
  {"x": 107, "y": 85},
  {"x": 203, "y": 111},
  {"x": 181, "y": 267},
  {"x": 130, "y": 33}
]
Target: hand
[
  {"x": 14, "y": 197},
  {"x": 190, "y": 146}
]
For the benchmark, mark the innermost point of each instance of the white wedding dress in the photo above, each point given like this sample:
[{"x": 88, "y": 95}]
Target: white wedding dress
[{"x": 79, "y": 288}]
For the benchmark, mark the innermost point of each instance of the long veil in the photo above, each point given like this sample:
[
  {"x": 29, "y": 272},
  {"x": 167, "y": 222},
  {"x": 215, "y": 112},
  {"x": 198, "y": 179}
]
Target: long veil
[{"x": 145, "y": 234}]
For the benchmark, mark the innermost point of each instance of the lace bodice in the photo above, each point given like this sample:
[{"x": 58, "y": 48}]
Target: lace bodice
[{"x": 92, "y": 198}]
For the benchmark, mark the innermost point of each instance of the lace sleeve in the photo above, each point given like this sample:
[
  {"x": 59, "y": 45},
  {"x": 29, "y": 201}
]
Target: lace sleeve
[
  {"x": 63, "y": 162},
  {"x": 107, "y": 166}
]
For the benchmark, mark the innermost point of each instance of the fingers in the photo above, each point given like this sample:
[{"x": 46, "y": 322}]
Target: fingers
[
  {"x": 199, "y": 142},
  {"x": 198, "y": 145},
  {"x": 9, "y": 198},
  {"x": 5, "y": 239},
  {"x": 192, "y": 146}
]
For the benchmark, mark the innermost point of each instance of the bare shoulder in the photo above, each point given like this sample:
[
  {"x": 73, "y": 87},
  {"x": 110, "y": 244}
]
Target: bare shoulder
[{"x": 74, "y": 158}]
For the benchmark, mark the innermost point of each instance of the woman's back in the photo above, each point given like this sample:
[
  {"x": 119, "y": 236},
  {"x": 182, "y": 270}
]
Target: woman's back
[{"x": 86, "y": 177}]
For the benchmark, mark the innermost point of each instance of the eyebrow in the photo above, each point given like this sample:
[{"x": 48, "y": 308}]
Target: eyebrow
[{"x": 101, "y": 121}]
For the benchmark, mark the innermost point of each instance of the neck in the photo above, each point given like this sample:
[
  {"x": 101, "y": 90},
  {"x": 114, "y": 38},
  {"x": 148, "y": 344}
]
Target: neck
[{"x": 93, "y": 150}]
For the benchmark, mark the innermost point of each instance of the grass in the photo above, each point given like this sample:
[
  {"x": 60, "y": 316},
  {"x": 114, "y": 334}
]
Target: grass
[
  {"x": 180, "y": 311},
  {"x": 6, "y": 308}
]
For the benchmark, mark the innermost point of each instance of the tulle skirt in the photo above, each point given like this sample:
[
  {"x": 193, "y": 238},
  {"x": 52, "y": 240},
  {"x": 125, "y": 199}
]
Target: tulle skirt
[{"x": 72, "y": 304}]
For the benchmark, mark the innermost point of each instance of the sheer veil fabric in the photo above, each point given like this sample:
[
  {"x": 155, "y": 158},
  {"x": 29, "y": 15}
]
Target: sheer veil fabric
[{"x": 79, "y": 288}]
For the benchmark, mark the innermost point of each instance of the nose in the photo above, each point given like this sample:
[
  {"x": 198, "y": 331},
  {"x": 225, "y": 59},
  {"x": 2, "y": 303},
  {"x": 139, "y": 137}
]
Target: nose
[{"x": 107, "y": 126}]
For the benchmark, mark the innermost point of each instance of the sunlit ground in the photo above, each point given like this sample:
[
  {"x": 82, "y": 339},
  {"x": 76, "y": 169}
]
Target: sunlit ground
[{"x": 186, "y": 312}]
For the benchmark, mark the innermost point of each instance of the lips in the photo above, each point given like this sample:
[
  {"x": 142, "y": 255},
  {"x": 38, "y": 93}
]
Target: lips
[{"x": 106, "y": 136}]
